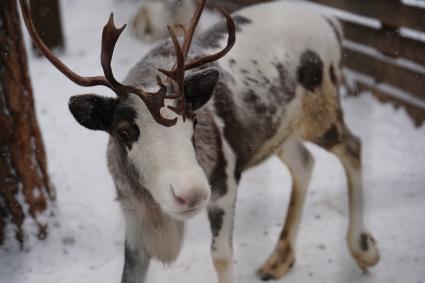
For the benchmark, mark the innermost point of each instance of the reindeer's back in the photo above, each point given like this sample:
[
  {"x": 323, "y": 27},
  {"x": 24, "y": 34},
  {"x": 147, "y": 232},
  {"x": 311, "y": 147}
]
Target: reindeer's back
[{"x": 280, "y": 48}]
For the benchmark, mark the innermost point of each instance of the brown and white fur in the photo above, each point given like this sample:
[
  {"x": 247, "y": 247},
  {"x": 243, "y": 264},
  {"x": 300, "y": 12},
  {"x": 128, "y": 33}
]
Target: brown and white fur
[{"x": 277, "y": 87}]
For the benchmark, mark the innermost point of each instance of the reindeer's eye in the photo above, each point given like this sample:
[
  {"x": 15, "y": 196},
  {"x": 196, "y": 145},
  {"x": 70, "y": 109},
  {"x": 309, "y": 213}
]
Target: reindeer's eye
[
  {"x": 127, "y": 132},
  {"x": 123, "y": 135}
]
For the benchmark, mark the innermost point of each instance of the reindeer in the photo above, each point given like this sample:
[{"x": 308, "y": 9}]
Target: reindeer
[
  {"x": 180, "y": 139},
  {"x": 148, "y": 22}
]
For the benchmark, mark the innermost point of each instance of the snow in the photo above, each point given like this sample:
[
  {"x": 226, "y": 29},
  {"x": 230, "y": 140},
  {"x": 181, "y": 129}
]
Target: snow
[{"x": 85, "y": 241}]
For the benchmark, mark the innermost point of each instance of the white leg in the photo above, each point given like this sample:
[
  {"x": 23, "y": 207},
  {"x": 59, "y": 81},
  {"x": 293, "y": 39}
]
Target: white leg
[
  {"x": 361, "y": 243},
  {"x": 300, "y": 163},
  {"x": 221, "y": 215}
]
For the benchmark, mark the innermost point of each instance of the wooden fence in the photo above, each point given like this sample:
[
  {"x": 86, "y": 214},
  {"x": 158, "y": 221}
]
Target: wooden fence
[
  {"x": 390, "y": 50},
  {"x": 384, "y": 48}
]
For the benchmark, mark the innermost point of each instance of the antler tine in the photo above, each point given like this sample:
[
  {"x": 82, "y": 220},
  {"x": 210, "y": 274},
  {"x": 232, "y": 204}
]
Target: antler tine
[
  {"x": 173, "y": 74},
  {"x": 82, "y": 81},
  {"x": 177, "y": 74},
  {"x": 155, "y": 102},
  {"x": 231, "y": 29},
  {"x": 189, "y": 30},
  {"x": 110, "y": 36}
]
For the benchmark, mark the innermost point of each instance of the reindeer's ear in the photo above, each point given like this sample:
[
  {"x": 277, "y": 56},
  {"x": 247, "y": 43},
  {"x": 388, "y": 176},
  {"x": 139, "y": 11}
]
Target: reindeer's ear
[
  {"x": 92, "y": 111},
  {"x": 199, "y": 86}
]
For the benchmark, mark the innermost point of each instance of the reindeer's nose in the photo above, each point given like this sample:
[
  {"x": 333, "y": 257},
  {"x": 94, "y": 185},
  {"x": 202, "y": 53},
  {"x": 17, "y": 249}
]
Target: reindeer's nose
[{"x": 190, "y": 199}]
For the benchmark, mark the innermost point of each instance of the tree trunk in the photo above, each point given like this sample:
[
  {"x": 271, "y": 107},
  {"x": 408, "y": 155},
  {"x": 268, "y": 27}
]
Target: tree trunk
[
  {"x": 47, "y": 21},
  {"x": 25, "y": 191}
]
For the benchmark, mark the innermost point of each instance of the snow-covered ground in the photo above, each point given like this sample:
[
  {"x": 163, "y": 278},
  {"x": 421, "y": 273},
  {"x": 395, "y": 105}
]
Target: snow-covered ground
[{"x": 87, "y": 245}]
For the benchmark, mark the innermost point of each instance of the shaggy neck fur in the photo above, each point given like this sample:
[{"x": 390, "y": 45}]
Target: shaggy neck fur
[{"x": 148, "y": 228}]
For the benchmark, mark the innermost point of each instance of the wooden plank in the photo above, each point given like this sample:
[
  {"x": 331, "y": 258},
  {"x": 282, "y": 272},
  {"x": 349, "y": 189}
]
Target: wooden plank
[
  {"x": 382, "y": 71},
  {"x": 417, "y": 114},
  {"x": 388, "y": 41},
  {"x": 390, "y": 12}
]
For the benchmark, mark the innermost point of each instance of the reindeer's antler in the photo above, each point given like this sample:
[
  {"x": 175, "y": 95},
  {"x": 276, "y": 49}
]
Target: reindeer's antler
[
  {"x": 177, "y": 73},
  {"x": 153, "y": 100}
]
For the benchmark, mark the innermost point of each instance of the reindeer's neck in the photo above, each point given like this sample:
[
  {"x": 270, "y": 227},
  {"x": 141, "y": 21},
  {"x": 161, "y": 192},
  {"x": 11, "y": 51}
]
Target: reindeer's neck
[
  {"x": 152, "y": 231},
  {"x": 148, "y": 228},
  {"x": 160, "y": 235}
]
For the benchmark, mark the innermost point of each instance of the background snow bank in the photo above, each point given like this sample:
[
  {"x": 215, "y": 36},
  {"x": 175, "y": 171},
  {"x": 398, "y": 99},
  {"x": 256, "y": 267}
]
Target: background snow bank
[{"x": 87, "y": 246}]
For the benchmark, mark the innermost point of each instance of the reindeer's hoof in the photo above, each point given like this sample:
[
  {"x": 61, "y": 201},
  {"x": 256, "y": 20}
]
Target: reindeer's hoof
[
  {"x": 266, "y": 276},
  {"x": 364, "y": 250},
  {"x": 278, "y": 264}
]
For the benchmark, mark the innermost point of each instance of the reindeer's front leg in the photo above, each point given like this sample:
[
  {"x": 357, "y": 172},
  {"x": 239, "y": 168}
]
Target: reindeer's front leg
[
  {"x": 136, "y": 265},
  {"x": 221, "y": 213}
]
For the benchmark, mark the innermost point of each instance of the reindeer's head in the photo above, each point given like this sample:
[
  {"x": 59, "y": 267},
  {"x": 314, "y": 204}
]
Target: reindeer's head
[{"x": 152, "y": 127}]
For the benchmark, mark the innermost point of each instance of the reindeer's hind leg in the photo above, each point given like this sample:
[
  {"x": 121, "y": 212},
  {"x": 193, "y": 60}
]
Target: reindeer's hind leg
[
  {"x": 347, "y": 147},
  {"x": 323, "y": 123},
  {"x": 300, "y": 163}
]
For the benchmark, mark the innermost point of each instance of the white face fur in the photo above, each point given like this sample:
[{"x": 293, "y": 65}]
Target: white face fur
[
  {"x": 166, "y": 162},
  {"x": 161, "y": 159}
]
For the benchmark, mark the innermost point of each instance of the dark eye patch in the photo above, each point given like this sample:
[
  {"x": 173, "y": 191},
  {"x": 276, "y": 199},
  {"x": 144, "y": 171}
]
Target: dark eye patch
[
  {"x": 127, "y": 133},
  {"x": 125, "y": 128}
]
